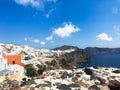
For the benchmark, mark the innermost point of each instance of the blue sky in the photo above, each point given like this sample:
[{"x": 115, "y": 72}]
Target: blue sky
[{"x": 52, "y": 23}]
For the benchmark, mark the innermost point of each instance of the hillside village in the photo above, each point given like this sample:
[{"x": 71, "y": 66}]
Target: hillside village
[
  {"x": 14, "y": 58},
  {"x": 53, "y": 75}
]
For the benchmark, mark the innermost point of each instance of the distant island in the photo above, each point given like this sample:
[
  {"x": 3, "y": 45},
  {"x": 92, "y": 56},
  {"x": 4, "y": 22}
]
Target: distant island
[
  {"x": 66, "y": 47},
  {"x": 91, "y": 50},
  {"x": 97, "y": 50}
]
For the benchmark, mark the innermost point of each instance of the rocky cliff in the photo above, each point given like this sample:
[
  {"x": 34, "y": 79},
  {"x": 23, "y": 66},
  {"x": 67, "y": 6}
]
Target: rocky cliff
[{"x": 69, "y": 60}]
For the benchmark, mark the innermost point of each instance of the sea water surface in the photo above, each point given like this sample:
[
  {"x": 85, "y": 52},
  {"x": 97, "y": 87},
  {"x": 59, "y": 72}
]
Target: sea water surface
[{"x": 112, "y": 60}]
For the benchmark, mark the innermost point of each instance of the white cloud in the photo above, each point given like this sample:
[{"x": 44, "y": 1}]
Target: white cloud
[
  {"x": 50, "y": 1},
  {"x": 36, "y": 41},
  {"x": 32, "y": 40},
  {"x": 104, "y": 36},
  {"x": 66, "y": 30},
  {"x": 49, "y": 13},
  {"x": 49, "y": 38},
  {"x": 34, "y": 3},
  {"x": 25, "y": 39},
  {"x": 42, "y": 43},
  {"x": 115, "y": 10},
  {"x": 116, "y": 29}
]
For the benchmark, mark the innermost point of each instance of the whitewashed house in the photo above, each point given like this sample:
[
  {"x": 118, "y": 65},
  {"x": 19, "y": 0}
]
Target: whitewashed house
[{"x": 3, "y": 62}]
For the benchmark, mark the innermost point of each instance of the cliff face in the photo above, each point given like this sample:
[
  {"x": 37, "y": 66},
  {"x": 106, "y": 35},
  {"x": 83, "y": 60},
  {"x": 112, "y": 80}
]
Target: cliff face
[
  {"x": 69, "y": 60},
  {"x": 96, "y": 50}
]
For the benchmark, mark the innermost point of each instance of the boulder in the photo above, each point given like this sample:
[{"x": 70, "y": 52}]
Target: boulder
[
  {"x": 64, "y": 75},
  {"x": 114, "y": 85},
  {"x": 103, "y": 87},
  {"x": 64, "y": 87},
  {"x": 88, "y": 71},
  {"x": 74, "y": 85},
  {"x": 32, "y": 88},
  {"x": 95, "y": 67},
  {"x": 70, "y": 75},
  {"x": 102, "y": 81},
  {"x": 116, "y": 71},
  {"x": 94, "y": 87}
]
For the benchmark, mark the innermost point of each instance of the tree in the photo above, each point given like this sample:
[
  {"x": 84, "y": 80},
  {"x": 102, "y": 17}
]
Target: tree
[
  {"x": 31, "y": 71},
  {"x": 41, "y": 68},
  {"x": 53, "y": 63}
]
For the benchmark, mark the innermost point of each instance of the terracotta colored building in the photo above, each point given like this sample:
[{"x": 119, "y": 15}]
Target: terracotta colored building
[{"x": 14, "y": 59}]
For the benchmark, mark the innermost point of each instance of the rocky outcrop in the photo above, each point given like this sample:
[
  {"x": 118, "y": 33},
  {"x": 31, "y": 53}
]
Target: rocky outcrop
[
  {"x": 75, "y": 79},
  {"x": 64, "y": 87},
  {"x": 88, "y": 71},
  {"x": 9, "y": 85},
  {"x": 116, "y": 71},
  {"x": 114, "y": 85},
  {"x": 69, "y": 60},
  {"x": 94, "y": 87}
]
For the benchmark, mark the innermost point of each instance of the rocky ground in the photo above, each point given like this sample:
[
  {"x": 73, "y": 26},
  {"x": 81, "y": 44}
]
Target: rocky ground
[{"x": 92, "y": 78}]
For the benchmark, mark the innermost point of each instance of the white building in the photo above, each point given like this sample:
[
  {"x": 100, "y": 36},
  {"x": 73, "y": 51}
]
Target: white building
[
  {"x": 3, "y": 62},
  {"x": 19, "y": 69}
]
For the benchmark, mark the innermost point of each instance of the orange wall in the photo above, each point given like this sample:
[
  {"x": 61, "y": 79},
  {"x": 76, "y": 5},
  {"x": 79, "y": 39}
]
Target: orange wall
[{"x": 16, "y": 58}]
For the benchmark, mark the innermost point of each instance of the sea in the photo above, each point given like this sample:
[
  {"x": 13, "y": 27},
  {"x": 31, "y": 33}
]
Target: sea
[{"x": 111, "y": 60}]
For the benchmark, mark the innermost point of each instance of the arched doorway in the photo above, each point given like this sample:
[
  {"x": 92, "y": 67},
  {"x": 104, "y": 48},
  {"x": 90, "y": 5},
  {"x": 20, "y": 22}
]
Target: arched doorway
[{"x": 13, "y": 62}]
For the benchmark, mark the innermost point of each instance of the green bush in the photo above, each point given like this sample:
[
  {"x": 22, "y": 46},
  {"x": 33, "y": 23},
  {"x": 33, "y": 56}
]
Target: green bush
[
  {"x": 31, "y": 71},
  {"x": 41, "y": 68}
]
